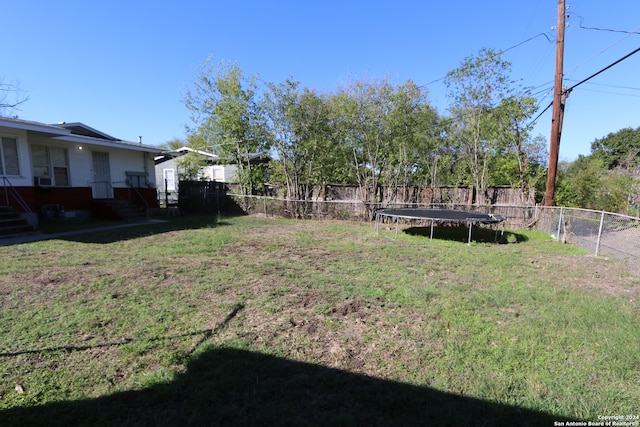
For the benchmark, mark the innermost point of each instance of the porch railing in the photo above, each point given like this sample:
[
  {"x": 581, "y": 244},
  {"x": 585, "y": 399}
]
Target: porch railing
[
  {"x": 118, "y": 196},
  {"x": 140, "y": 197},
  {"x": 10, "y": 192}
]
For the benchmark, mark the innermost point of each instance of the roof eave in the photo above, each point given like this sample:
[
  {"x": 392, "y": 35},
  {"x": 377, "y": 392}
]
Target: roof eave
[
  {"x": 33, "y": 126},
  {"x": 108, "y": 143}
]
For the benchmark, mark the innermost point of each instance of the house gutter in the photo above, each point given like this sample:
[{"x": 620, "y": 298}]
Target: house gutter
[
  {"x": 114, "y": 144},
  {"x": 33, "y": 127}
]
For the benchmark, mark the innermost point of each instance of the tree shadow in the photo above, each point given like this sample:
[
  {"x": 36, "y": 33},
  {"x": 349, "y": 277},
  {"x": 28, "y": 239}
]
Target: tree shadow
[
  {"x": 461, "y": 234},
  {"x": 205, "y": 335},
  {"x": 233, "y": 387},
  {"x": 125, "y": 231}
]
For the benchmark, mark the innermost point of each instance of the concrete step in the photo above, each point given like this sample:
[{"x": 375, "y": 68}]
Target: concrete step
[
  {"x": 12, "y": 223},
  {"x": 123, "y": 209},
  {"x": 16, "y": 230}
]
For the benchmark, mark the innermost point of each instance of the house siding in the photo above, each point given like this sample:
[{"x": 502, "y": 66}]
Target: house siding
[
  {"x": 24, "y": 179},
  {"x": 159, "y": 174},
  {"x": 77, "y": 195}
]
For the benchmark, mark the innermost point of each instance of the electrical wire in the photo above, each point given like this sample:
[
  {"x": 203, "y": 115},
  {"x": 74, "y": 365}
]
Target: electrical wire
[
  {"x": 606, "y": 29},
  {"x": 613, "y": 93},
  {"x": 606, "y": 85},
  {"x": 528, "y": 40},
  {"x": 538, "y": 116},
  {"x": 503, "y": 51},
  {"x": 568, "y": 90},
  {"x": 628, "y": 34}
]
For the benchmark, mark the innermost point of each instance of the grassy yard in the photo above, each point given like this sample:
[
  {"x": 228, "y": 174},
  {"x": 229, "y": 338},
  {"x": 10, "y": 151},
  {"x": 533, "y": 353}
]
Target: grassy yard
[{"x": 254, "y": 321}]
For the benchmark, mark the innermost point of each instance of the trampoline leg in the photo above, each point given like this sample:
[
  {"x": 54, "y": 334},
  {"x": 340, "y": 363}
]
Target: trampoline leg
[
  {"x": 431, "y": 235},
  {"x": 397, "y": 223},
  {"x": 501, "y": 233},
  {"x": 470, "y": 225},
  {"x": 377, "y": 225}
]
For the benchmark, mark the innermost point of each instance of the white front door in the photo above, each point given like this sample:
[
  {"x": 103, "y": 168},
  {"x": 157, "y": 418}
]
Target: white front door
[
  {"x": 169, "y": 180},
  {"x": 102, "y": 188}
]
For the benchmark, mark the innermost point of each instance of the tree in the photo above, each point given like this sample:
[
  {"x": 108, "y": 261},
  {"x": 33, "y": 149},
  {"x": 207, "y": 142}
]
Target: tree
[
  {"x": 580, "y": 183},
  {"x": 227, "y": 117},
  {"x": 413, "y": 127},
  {"x": 361, "y": 117},
  {"x": 357, "y": 119},
  {"x": 188, "y": 164},
  {"x": 476, "y": 88},
  {"x": 11, "y": 96},
  {"x": 173, "y": 144},
  {"x": 191, "y": 163},
  {"x": 297, "y": 121},
  {"x": 513, "y": 116},
  {"x": 587, "y": 183},
  {"x": 618, "y": 149},
  {"x": 388, "y": 133},
  {"x": 431, "y": 162},
  {"x": 619, "y": 190}
]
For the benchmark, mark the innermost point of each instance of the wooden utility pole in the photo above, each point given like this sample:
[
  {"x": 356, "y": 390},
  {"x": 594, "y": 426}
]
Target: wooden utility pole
[{"x": 558, "y": 109}]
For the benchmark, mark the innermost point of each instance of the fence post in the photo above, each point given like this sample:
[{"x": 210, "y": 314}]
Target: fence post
[
  {"x": 264, "y": 205},
  {"x": 560, "y": 223},
  {"x": 600, "y": 233}
]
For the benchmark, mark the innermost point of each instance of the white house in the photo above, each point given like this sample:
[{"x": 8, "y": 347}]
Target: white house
[
  {"x": 168, "y": 171},
  {"x": 214, "y": 168},
  {"x": 71, "y": 168}
]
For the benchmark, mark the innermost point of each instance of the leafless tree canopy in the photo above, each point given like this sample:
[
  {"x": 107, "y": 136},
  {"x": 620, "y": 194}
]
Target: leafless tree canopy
[{"x": 11, "y": 96}]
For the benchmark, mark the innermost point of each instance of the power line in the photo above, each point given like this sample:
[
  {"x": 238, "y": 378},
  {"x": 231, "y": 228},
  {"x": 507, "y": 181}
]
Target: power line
[
  {"x": 528, "y": 40},
  {"x": 628, "y": 34},
  {"x": 568, "y": 90},
  {"x": 607, "y": 85},
  {"x": 605, "y": 29},
  {"x": 538, "y": 116},
  {"x": 502, "y": 51},
  {"x": 613, "y": 93},
  {"x": 542, "y": 88}
]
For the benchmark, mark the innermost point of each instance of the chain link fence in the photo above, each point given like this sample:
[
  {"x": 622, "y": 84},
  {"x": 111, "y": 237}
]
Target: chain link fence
[{"x": 601, "y": 233}]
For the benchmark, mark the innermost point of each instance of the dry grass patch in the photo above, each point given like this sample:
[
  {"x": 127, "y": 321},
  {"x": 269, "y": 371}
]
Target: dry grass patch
[{"x": 262, "y": 319}]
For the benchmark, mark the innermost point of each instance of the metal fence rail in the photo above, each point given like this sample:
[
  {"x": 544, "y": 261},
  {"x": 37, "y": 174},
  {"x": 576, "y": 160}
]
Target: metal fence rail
[{"x": 601, "y": 233}]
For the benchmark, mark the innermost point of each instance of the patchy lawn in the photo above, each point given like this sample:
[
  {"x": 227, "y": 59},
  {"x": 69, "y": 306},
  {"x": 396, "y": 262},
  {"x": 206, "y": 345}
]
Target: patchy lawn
[{"x": 254, "y": 321}]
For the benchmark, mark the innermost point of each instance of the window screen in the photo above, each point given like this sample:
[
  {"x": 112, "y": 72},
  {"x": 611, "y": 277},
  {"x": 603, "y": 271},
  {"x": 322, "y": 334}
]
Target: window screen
[{"x": 9, "y": 164}]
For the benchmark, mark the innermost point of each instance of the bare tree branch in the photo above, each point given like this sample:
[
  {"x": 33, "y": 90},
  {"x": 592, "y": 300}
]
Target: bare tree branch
[{"x": 11, "y": 96}]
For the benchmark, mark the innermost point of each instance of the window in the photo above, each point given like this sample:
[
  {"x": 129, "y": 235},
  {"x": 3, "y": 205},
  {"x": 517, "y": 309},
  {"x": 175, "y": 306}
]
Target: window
[
  {"x": 9, "y": 163},
  {"x": 50, "y": 162},
  {"x": 169, "y": 179},
  {"x": 137, "y": 179},
  {"x": 218, "y": 173}
]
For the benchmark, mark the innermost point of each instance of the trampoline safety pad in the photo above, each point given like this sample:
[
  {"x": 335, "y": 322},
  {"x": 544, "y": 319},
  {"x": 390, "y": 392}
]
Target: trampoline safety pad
[{"x": 440, "y": 215}]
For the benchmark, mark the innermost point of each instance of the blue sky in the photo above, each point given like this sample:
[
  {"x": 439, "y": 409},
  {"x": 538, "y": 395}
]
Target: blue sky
[{"x": 123, "y": 67}]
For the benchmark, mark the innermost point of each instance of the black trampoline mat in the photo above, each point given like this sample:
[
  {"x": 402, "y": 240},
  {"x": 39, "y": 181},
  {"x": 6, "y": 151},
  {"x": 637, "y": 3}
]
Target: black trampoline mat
[{"x": 441, "y": 215}]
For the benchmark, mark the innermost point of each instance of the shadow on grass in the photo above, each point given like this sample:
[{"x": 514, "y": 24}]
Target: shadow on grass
[
  {"x": 121, "y": 232},
  {"x": 205, "y": 335},
  {"x": 461, "y": 234},
  {"x": 232, "y": 387}
]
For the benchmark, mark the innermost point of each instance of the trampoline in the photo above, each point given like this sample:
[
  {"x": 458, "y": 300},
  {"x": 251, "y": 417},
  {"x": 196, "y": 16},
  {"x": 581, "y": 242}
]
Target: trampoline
[{"x": 438, "y": 215}]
